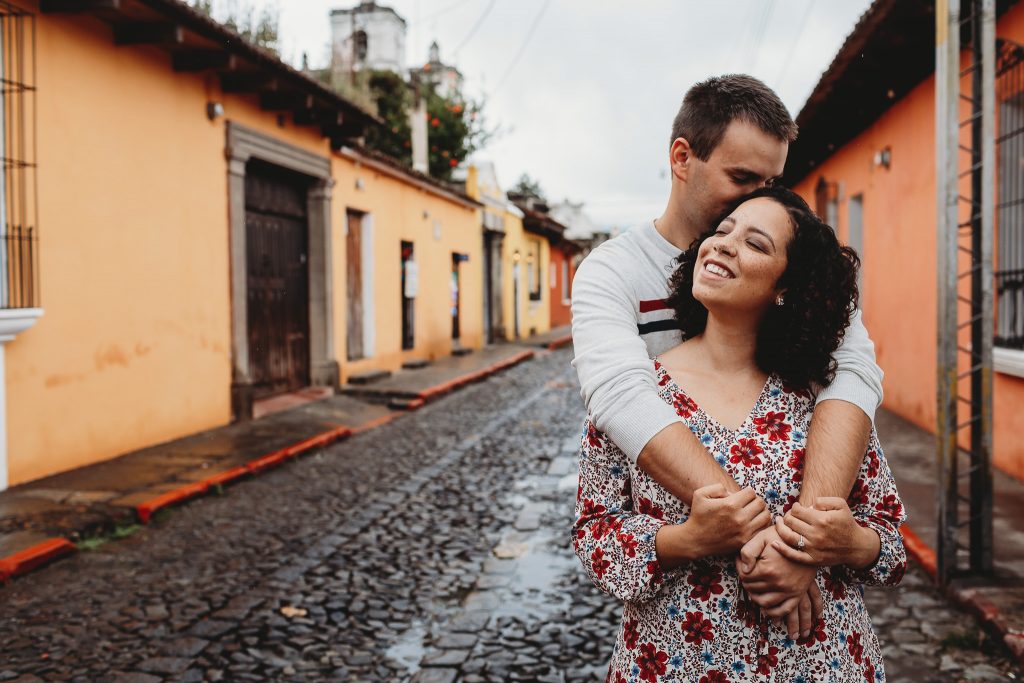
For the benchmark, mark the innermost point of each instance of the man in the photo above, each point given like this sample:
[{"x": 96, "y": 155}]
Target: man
[{"x": 731, "y": 136}]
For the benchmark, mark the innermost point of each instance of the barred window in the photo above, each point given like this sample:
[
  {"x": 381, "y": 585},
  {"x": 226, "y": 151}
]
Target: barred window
[
  {"x": 1009, "y": 265},
  {"x": 19, "y": 236}
]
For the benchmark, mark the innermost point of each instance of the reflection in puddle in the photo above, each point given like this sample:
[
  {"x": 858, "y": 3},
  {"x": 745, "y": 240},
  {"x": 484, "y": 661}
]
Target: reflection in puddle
[{"x": 409, "y": 649}]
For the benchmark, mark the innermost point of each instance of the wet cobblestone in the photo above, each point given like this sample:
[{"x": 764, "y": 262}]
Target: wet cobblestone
[{"x": 433, "y": 549}]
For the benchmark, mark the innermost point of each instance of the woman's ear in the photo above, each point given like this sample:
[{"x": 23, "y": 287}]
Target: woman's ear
[{"x": 681, "y": 158}]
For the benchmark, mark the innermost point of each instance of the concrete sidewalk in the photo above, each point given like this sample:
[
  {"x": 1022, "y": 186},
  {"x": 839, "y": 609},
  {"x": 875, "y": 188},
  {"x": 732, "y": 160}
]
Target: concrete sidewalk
[
  {"x": 44, "y": 519},
  {"x": 998, "y": 601}
]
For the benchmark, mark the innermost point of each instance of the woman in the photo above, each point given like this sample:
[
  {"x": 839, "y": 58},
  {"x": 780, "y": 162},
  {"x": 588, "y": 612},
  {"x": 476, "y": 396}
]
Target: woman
[{"x": 762, "y": 302}]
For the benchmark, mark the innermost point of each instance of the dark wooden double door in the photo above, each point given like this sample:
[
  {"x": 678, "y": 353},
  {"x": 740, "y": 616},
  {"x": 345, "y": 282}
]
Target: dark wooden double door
[{"x": 277, "y": 232}]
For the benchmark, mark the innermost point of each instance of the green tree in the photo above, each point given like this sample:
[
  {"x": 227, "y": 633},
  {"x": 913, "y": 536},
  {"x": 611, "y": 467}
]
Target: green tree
[
  {"x": 527, "y": 187},
  {"x": 455, "y": 126},
  {"x": 240, "y": 16}
]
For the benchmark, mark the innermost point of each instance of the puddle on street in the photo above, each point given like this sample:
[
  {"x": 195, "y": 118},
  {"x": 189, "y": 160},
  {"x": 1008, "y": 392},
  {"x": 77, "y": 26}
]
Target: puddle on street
[{"x": 409, "y": 649}]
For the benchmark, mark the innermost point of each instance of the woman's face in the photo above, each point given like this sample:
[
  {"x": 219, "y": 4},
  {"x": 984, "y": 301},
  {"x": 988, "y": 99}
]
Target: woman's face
[{"x": 740, "y": 265}]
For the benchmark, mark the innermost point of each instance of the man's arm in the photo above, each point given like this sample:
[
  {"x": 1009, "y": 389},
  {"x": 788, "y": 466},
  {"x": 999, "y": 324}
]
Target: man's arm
[
  {"x": 838, "y": 437},
  {"x": 619, "y": 387}
]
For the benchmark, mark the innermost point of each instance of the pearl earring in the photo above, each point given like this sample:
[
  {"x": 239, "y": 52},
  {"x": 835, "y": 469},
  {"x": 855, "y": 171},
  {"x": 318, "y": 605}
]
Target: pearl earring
[{"x": 779, "y": 300}]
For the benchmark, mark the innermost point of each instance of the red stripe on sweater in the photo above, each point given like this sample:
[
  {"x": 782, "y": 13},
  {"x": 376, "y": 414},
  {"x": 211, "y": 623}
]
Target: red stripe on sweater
[{"x": 653, "y": 305}]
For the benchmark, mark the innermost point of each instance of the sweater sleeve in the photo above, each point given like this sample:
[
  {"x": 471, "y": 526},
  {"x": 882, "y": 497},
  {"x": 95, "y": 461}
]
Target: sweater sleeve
[
  {"x": 616, "y": 374},
  {"x": 858, "y": 378}
]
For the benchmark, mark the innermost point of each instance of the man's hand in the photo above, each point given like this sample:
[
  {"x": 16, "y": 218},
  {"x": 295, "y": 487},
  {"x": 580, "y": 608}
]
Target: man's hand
[
  {"x": 722, "y": 522},
  {"x": 826, "y": 535},
  {"x": 781, "y": 588}
]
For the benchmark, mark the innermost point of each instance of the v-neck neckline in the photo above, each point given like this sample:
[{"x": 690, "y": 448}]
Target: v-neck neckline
[{"x": 765, "y": 390}]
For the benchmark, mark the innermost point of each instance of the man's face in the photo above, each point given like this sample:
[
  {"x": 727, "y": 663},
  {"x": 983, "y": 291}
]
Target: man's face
[{"x": 747, "y": 158}]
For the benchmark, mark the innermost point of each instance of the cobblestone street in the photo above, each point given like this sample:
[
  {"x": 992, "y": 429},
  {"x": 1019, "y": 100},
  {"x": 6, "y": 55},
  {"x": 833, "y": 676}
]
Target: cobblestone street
[{"x": 434, "y": 548}]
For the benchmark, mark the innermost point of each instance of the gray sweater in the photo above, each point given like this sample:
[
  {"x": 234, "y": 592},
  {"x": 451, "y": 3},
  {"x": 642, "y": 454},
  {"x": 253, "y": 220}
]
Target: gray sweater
[{"x": 620, "y": 322}]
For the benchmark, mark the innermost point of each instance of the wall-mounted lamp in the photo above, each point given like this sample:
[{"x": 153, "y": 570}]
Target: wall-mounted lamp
[
  {"x": 883, "y": 157},
  {"x": 214, "y": 110}
]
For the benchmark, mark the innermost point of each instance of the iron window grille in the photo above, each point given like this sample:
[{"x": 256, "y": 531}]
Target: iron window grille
[
  {"x": 19, "y": 233},
  {"x": 1009, "y": 271}
]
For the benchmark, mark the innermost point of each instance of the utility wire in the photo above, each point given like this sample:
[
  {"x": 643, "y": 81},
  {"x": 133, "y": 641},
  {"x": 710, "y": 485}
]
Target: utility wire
[
  {"x": 766, "y": 15},
  {"x": 476, "y": 26},
  {"x": 444, "y": 10},
  {"x": 792, "y": 46},
  {"x": 526, "y": 41}
]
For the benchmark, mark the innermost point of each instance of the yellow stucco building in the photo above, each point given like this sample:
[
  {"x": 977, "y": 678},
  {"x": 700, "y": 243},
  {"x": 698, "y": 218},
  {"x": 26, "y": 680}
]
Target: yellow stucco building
[
  {"x": 197, "y": 201},
  {"x": 516, "y": 262}
]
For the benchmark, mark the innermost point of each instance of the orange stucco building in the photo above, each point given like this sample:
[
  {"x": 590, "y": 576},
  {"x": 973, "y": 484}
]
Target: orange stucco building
[
  {"x": 210, "y": 233},
  {"x": 866, "y": 159}
]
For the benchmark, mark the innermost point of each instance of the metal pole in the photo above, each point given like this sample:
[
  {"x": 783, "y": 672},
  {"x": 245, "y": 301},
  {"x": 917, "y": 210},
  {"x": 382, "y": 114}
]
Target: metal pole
[
  {"x": 982, "y": 296},
  {"x": 947, "y": 95}
]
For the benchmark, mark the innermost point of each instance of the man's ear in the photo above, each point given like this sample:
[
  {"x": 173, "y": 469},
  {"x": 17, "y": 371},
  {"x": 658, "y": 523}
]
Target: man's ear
[{"x": 681, "y": 158}]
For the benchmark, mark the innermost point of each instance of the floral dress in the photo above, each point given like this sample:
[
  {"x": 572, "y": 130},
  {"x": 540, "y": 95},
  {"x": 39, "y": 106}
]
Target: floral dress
[{"x": 695, "y": 623}]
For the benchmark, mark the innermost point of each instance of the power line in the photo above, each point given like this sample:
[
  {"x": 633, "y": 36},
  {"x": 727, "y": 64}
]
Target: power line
[
  {"x": 792, "y": 46},
  {"x": 476, "y": 26},
  {"x": 766, "y": 15},
  {"x": 526, "y": 41},
  {"x": 444, "y": 10}
]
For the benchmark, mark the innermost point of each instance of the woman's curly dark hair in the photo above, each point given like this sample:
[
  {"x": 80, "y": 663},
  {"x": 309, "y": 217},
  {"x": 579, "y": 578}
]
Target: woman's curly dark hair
[{"x": 796, "y": 340}]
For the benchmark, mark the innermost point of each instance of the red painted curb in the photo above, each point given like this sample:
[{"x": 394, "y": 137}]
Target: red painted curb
[
  {"x": 145, "y": 510},
  {"x": 452, "y": 384},
  {"x": 49, "y": 550},
  {"x": 41, "y": 553},
  {"x": 560, "y": 342},
  {"x": 373, "y": 424},
  {"x": 919, "y": 550},
  {"x": 989, "y": 613}
]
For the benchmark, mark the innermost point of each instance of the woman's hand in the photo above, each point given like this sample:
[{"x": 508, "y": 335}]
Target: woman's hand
[{"x": 826, "y": 535}]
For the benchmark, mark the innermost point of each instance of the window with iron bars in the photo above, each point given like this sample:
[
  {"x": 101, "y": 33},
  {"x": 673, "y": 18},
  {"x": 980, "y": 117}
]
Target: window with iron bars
[
  {"x": 1009, "y": 266},
  {"x": 19, "y": 236}
]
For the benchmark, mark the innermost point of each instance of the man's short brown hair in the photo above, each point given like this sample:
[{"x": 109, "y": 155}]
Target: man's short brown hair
[{"x": 710, "y": 106}]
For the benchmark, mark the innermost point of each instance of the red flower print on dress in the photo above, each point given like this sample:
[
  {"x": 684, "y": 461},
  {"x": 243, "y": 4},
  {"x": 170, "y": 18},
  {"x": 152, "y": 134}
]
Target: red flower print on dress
[
  {"x": 594, "y": 437},
  {"x": 872, "y": 464},
  {"x": 696, "y": 628},
  {"x": 774, "y": 425},
  {"x": 869, "y": 671},
  {"x": 646, "y": 507},
  {"x": 684, "y": 405},
  {"x": 630, "y": 634},
  {"x": 745, "y": 451},
  {"x": 854, "y": 646},
  {"x": 654, "y": 569},
  {"x": 796, "y": 463},
  {"x": 767, "y": 661},
  {"x": 799, "y": 393},
  {"x": 790, "y": 502},
  {"x": 859, "y": 494},
  {"x": 663, "y": 380},
  {"x": 605, "y": 526},
  {"x": 714, "y": 676},
  {"x": 619, "y": 678},
  {"x": 651, "y": 662},
  {"x": 706, "y": 580},
  {"x": 834, "y": 585},
  {"x": 628, "y": 544},
  {"x": 890, "y": 506},
  {"x": 599, "y": 564},
  {"x": 816, "y": 636}
]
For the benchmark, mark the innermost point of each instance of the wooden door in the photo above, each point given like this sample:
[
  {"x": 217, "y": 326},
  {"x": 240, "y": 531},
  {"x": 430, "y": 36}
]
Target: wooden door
[
  {"x": 354, "y": 278},
  {"x": 278, "y": 283}
]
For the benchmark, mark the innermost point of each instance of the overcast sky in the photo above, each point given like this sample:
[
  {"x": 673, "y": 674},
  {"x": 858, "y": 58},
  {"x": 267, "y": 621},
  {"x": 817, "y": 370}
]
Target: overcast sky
[{"x": 584, "y": 91}]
